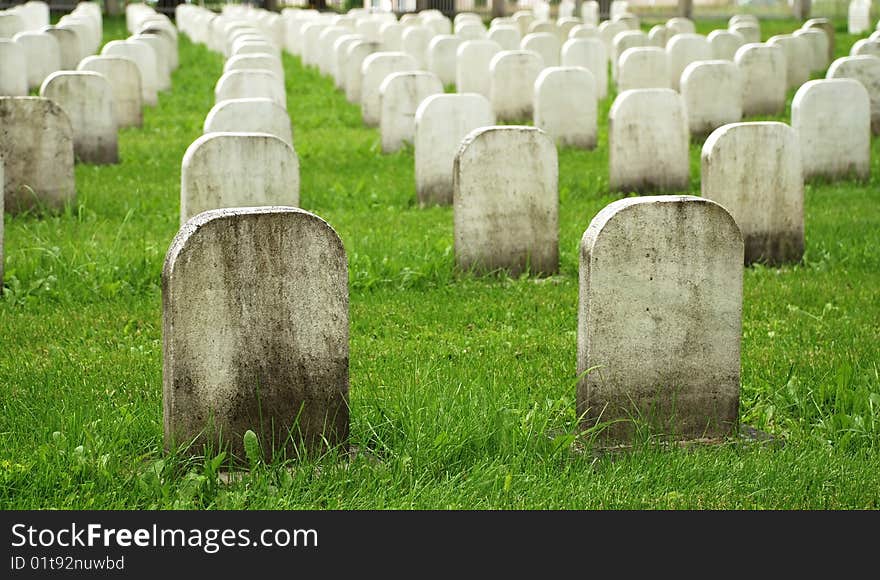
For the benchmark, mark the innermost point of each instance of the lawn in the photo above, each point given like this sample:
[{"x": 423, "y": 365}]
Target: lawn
[{"x": 462, "y": 388}]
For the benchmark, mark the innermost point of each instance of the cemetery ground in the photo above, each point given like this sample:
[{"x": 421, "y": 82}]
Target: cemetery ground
[{"x": 462, "y": 388}]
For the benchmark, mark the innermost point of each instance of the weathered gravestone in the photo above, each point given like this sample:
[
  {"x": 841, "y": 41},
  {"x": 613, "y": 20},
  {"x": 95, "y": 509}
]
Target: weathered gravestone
[
  {"x": 414, "y": 42},
  {"x": 36, "y": 145},
  {"x": 798, "y": 58},
  {"x": 255, "y": 115},
  {"x": 648, "y": 141},
  {"x": 237, "y": 170},
  {"x": 623, "y": 42},
  {"x": 507, "y": 37},
  {"x": 441, "y": 123},
  {"x": 162, "y": 54},
  {"x": 258, "y": 61},
  {"x": 817, "y": 41},
  {"x": 13, "y": 69},
  {"x": 250, "y": 83},
  {"x": 442, "y": 54},
  {"x": 825, "y": 25},
  {"x": 512, "y": 76},
  {"x": 712, "y": 93},
  {"x": 584, "y": 31},
  {"x": 680, "y": 25},
  {"x": 506, "y": 202},
  {"x": 754, "y": 170},
  {"x": 750, "y": 32},
  {"x": 125, "y": 81},
  {"x": 546, "y": 44},
  {"x": 763, "y": 78},
  {"x": 682, "y": 50},
  {"x": 566, "y": 106},
  {"x": 87, "y": 98},
  {"x": 642, "y": 68},
  {"x": 660, "y": 319},
  {"x": 255, "y": 333},
  {"x": 42, "y": 56},
  {"x": 340, "y": 57},
  {"x": 374, "y": 69},
  {"x": 591, "y": 54},
  {"x": 354, "y": 60},
  {"x": 399, "y": 96},
  {"x": 10, "y": 25},
  {"x": 658, "y": 36},
  {"x": 835, "y": 140},
  {"x": 866, "y": 70},
  {"x": 472, "y": 66},
  {"x": 725, "y": 43},
  {"x": 145, "y": 59}
]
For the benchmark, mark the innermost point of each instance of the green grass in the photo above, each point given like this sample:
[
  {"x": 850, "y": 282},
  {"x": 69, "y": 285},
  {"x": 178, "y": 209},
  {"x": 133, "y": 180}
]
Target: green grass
[{"x": 462, "y": 388}]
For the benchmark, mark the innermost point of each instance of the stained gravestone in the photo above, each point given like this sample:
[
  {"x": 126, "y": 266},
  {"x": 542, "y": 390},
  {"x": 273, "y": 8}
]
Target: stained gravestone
[
  {"x": 623, "y": 42},
  {"x": 763, "y": 78},
  {"x": 400, "y": 94},
  {"x": 13, "y": 69},
  {"x": 442, "y": 51},
  {"x": 643, "y": 68},
  {"x": 608, "y": 30},
  {"x": 42, "y": 56},
  {"x": 712, "y": 93},
  {"x": 36, "y": 145},
  {"x": 68, "y": 44},
  {"x": 145, "y": 59},
  {"x": 87, "y": 98},
  {"x": 648, "y": 141},
  {"x": 546, "y": 44},
  {"x": 125, "y": 81},
  {"x": 505, "y": 202},
  {"x": 591, "y": 54},
  {"x": 354, "y": 60},
  {"x": 237, "y": 170},
  {"x": 566, "y": 106},
  {"x": 651, "y": 348},
  {"x": 865, "y": 46},
  {"x": 754, "y": 170},
  {"x": 817, "y": 41},
  {"x": 826, "y": 26},
  {"x": 250, "y": 83},
  {"x": 513, "y": 74},
  {"x": 10, "y": 25},
  {"x": 414, "y": 42},
  {"x": 441, "y": 123},
  {"x": 472, "y": 66},
  {"x": 835, "y": 141},
  {"x": 255, "y": 115},
  {"x": 683, "y": 49},
  {"x": 162, "y": 54},
  {"x": 390, "y": 36},
  {"x": 255, "y": 332},
  {"x": 798, "y": 58},
  {"x": 725, "y": 43},
  {"x": 866, "y": 70},
  {"x": 375, "y": 68}
]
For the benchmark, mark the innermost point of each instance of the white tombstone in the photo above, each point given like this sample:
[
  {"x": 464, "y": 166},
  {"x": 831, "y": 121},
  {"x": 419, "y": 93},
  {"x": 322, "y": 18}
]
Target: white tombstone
[
  {"x": 680, "y": 25},
  {"x": 87, "y": 98},
  {"x": 371, "y": 29},
  {"x": 390, "y": 38},
  {"x": 125, "y": 82},
  {"x": 584, "y": 31},
  {"x": 590, "y": 12},
  {"x": 762, "y": 67},
  {"x": 817, "y": 40},
  {"x": 10, "y": 25},
  {"x": 414, "y": 42},
  {"x": 591, "y": 54},
  {"x": 13, "y": 69},
  {"x": 660, "y": 320},
  {"x": 374, "y": 69},
  {"x": 608, "y": 30},
  {"x": 400, "y": 95},
  {"x": 255, "y": 327},
  {"x": 865, "y": 46},
  {"x": 441, "y": 123},
  {"x": 310, "y": 47},
  {"x": 42, "y": 56},
  {"x": 750, "y": 32},
  {"x": 754, "y": 170},
  {"x": 826, "y": 26},
  {"x": 712, "y": 93},
  {"x": 507, "y": 37},
  {"x": 163, "y": 58},
  {"x": 250, "y": 83},
  {"x": 835, "y": 140},
  {"x": 622, "y": 42},
  {"x": 859, "y": 16},
  {"x": 523, "y": 19},
  {"x": 798, "y": 58},
  {"x": 442, "y": 57},
  {"x": 68, "y": 44},
  {"x": 471, "y": 31},
  {"x": 866, "y": 70},
  {"x": 506, "y": 202},
  {"x": 340, "y": 56},
  {"x": 643, "y": 68},
  {"x": 566, "y": 106},
  {"x": 259, "y": 61},
  {"x": 255, "y": 115},
  {"x": 566, "y": 24},
  {"x": 36, "y": 145},
  {"x": 725, "y": 43},
  {"x": 325, "y": 55},
  {"x": 658, "y": 35},
  {"x": 545, "y": 44},
  {"x": 237, "y": 170},
  {"x": 354, "y": 60},
  {"x": 472, "y": 66},
  {"x": 145, "y": 59},
  {"x": 543, "y": 25},
  {"x": 648, "y": 141},
  {"x": 683, "y": 49},
  {"x": 513, "y": 74}
]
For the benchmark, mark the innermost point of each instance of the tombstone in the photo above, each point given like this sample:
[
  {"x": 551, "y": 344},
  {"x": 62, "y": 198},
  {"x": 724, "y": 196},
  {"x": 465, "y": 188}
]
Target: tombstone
[
  {"x": 589, "y": 53},
  {"x": 865, "y": 46},
  {"x": 237, "y": 170},
  {"x": 439, "y": 25},
  {"x": 370, "y": 29},
  {"x": 683, "y": 49},
  {"x": 817, "y": 40},
  {"x": 608, "y": 30},
  {"x": 648, "y": 141},
  {"x": 42, "y": 56},
  {"x": 354, "y": 60},
  {"x": 545, "y": 44},
  {"x": 762, "y": 69},
  {"x": 566, "y": 106},
  {"x": 835, "y": 141},
  {"x": 651, "y": 348},
  {"x": 400, "y": 94},
  {"x": 250, "y": 83},
  {"x": 750, "y": 32},
  {"x": 543, "y": 26},
  {"x": 590, "y": 12},
  {"x": 87, "y": 98},
  {"x": 859, "y": 16},
  {"x": 125, "y": 82},
  {"x": 472, "y": 66},
  {"x": 866, "y": 70},
  {"x": 68, "y": 44},
  {"x": 255, "y": 61},
  {"x": 725, "y": 44},
  {"x": 565, "y": 25},
  {"x": 798, "y": 58},
  {"x": 826, "y": 26},
  {"x": 507, "y": 37},
  {"x": 441, "y": 123},
  {"x": 505, "y": 202},
  {"x": 310, "y": 47},
  {"x": 414, "y": 42},
  {"x": 658, "y": 35},
  {"x": 255, "y": 115},
  {"x": 268, "y": 351},
  {"x": 374, "y": 69},
  {"x": 10, "y": 25},
  {"x": 390, "y": 39},
  {"x": 442, "y": 51},
  {"x": 754, "y": 170},
  {"x": 524, "y": 19},
  {"x": 326, "y": 56},
  {"x": 13, "y": 69},
  {"x": 622, "y": 42},
  {"x": 163, "y": 58},
  {"x": 680, "y": 25},
  {"x": 340, "y": 54},
  {"x": 643, "y": 68},
  {"x": 471, "y": 31},
  {"x": 631, "y": 20},
  {"x": 36, "y": 145},
  {"x": 513, "y": 74},
  {"x": 712, "y": 93},
  {"x": 145, "y": 59}
]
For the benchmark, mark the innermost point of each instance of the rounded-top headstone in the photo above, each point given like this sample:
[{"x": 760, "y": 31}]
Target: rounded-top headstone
[{"x": 254, "y": 115}]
